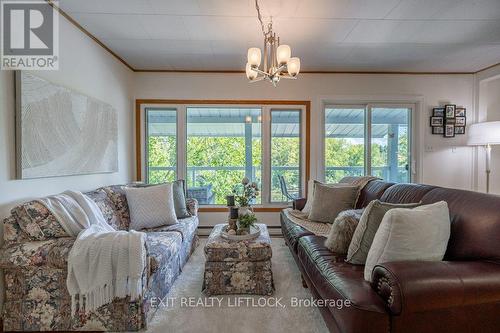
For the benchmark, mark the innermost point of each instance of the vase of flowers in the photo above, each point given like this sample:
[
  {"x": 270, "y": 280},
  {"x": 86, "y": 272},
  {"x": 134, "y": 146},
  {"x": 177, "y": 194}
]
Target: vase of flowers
[{"x": 244, "y": 194}]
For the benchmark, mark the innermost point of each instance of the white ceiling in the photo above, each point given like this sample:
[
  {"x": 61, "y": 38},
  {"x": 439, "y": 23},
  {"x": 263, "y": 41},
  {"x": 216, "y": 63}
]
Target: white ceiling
[{"x": 328, "y": 35}]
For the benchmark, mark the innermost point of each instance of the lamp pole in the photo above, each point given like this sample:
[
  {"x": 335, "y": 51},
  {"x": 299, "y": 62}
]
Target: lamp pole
[{"x": 488, "y": 169}]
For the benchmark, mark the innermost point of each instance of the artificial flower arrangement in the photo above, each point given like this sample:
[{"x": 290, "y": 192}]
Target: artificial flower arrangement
[{"x": 246, "y": 192}]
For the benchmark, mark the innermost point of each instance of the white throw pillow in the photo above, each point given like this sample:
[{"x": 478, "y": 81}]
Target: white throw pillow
[
  {"x": 151, "y": 207},
  {"x": 405, "y": 234}
]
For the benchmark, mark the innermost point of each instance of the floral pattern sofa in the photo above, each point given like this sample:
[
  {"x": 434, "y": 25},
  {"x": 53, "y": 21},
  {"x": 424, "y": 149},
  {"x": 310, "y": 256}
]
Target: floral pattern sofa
[{"x": 34, "y": 260}]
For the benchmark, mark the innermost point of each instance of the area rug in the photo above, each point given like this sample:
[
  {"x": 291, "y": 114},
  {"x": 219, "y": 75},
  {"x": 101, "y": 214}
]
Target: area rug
[{"x": 186, "y": 309}]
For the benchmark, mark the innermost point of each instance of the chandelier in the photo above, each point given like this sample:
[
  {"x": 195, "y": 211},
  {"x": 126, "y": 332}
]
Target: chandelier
[{"x": 278, "y": 62}]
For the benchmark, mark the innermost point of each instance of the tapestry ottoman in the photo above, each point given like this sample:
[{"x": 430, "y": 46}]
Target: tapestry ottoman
[{"x": 238, "y": 267}]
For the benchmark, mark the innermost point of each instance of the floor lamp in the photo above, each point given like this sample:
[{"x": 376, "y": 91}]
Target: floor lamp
[{"x": 485, "y": 134}]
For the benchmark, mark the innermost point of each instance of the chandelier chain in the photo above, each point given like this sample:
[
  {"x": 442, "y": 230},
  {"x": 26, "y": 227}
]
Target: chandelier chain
[{"x": 259, "y": 16}]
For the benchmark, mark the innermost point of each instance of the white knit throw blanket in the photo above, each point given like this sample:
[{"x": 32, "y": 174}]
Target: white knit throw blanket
[{"x": 103, "y": 263}]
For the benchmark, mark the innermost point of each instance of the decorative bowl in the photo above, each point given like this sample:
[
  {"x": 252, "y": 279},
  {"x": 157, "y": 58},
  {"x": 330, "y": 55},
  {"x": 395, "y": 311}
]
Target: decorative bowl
[{"x": 254, "y": 233}]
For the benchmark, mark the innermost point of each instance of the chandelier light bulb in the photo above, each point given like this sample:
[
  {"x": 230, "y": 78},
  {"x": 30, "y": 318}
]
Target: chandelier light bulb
[
  {"x": 254, "y": 56},
  {"x": 283, "y": 54},
  {"x": 251, "y": 74},
  {"x": 293, "y": 66}
]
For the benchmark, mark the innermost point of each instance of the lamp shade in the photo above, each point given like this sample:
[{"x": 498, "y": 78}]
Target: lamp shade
[
  {"x": 283, "y": 54},
  {"x": 251, "y": 74},
  {"x": 482, "y": 134},
  {"x": 254, "y": 56},
  {"x": 293, "y": 66}
]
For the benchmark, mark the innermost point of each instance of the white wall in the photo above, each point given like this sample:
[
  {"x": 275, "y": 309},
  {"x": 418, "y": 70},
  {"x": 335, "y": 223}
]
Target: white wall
[
  {"x": 446, "y": 162},
  {"x": 88, "y": 69},
  {"x": 488, "y": 106}
]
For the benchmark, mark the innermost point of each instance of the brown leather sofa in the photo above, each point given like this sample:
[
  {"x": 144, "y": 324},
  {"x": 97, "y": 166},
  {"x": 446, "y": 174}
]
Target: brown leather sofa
[{"x": 459, "y": 294}]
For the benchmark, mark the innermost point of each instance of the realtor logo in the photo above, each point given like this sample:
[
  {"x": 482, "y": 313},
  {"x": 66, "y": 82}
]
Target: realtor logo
[{"x": 30, "y": 35}]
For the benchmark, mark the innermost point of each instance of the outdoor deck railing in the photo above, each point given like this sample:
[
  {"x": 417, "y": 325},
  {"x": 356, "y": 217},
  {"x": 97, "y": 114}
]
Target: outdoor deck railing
[{"x": 332, "y": 172}]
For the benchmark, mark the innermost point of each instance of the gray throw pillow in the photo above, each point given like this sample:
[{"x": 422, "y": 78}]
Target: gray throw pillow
[
  {"x": 150, "y": 207},
  {"x": 330, "y": 200},
  {"x": 367, "y": 228},
  {"x": 342, "y": 230}
]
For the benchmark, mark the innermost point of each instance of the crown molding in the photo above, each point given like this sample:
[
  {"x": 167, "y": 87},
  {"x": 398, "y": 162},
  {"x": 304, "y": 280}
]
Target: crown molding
[{"x": 140, "y": 70}]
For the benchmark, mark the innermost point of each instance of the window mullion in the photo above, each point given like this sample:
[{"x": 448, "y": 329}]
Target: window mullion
[
  {"x": 368, "y": 140},
  {"x": 266, "y": 154},
  {"x": 181, "y": 142}
]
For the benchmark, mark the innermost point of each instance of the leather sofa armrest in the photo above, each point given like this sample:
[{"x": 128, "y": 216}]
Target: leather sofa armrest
[
  {"x": 417, "y": 286},
  {"x": 298, "y": 204}
]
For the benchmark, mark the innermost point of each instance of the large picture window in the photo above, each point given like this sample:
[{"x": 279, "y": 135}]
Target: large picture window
[
  {"x": 214, "y": 146},
  {"x": 223, "y": 146},
  {"x": 367, "y": 140}
]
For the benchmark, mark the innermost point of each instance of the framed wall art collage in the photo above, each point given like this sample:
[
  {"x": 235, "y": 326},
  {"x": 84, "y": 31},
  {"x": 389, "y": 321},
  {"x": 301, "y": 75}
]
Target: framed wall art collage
[{"x": 448, "y": 120}]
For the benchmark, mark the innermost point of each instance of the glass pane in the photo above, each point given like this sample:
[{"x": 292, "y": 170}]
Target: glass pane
[
  {"x": 161, "y": 152},
  {"x": 285, "y": 155},
  {"x": 344, "y": 142},
  {"x": 223, "y": 146},
  {"x": 390, "y": 144}
]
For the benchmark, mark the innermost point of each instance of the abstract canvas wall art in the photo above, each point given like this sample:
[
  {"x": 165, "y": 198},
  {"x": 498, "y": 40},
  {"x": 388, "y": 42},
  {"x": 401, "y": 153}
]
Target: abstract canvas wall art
[{"x": 60, "y": 132}]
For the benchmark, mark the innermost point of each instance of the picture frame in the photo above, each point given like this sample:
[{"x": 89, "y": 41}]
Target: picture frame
[
  {"x": 449, "y": 131},
  {"x": 438, "y": 130},
  {"x": 438, "y": 112},
  {"x": 460, "y": 112},
  {"x": 437, "y": 121},
  {"x": 449, "y": 110},
  {"x": 459, "y": 129},
  {"x": 460, "y": 121}
]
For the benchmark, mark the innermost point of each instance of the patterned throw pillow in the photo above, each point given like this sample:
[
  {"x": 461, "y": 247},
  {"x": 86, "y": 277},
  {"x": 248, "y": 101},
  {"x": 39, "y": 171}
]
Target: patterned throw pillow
[{"x": 37, "y": 221}]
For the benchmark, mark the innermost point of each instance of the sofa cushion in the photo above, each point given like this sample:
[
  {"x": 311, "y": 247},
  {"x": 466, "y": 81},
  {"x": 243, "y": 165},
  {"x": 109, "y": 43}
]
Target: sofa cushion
[
  {"x": 37, "y": 221},
  {"x": 12, "y": 232},
  {"x": 406, "y": 193},
  {"x": 107, "y": 207},
  {"x": 334, "y": 279},
  {"x": 292, "y": 232},
  {"x": 117, "y": 195},
  {"x": 186, "y": 227}
]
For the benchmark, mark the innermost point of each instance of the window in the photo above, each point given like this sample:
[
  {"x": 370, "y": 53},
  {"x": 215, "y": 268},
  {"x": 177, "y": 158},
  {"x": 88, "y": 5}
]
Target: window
[
  {"x": 213, "y": 147},
  {"x": 285, "y": 155},
  {"x": 368, "y": 140},
  {"x": 161, "y": 152},
  {"x": 223, "y": 146}
]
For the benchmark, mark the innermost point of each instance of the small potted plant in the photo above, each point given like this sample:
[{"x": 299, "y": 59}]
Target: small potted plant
[
  {"x": 244, "y": 194},
  {"x": 245, "y": 222}
]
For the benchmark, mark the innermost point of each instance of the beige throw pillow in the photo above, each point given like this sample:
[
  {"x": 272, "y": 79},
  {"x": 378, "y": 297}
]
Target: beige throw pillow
[
  {"x": 310, "y": 193},
  {"x": 151, "y": 207},
  {"x": 342, "y": 230},
  {"x": 421, "y": 233},
  {"x": 367, "y": 227},
  {"x": 330, "y": 200}
]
